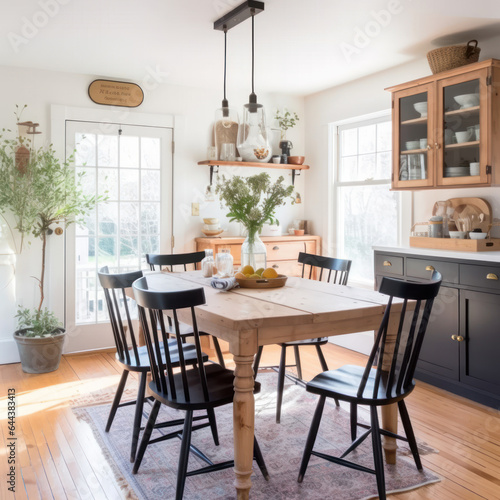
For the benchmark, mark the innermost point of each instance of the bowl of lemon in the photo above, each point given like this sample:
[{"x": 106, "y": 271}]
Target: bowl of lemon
[{"x": 248, "y": 277}]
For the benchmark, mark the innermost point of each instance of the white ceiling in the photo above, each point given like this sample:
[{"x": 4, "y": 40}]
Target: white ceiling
[{"x": 299, "y": 43}]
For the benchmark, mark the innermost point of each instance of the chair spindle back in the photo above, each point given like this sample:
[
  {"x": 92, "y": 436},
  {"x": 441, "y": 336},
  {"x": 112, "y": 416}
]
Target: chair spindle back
[
  {"x": 406, "y": 349},
  {"x": 171, "y": 260},
  {"x": 114, "y": 290},
  {"x": 340, "y": 268},
  {"x": 152, "y": 306}
]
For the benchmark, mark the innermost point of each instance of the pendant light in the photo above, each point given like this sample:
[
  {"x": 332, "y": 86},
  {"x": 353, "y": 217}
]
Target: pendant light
[
  {"x": 253, "y": 137},
  {"x": 226, "y": 122}
]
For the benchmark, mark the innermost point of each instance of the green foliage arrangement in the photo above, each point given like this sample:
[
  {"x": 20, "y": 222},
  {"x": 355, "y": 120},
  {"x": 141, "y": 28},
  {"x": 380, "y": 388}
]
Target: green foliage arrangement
[
  {"x": 39, "y": 193},
  {"x": 43, "y": 323},
  {"x": 253, "y": 200},
  {"x": 286, "y": 120}
]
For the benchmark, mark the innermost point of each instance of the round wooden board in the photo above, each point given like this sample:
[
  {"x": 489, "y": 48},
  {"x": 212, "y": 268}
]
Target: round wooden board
[
  {"x": 263, "y": 282},
  {"x": 468, "y": 207}
]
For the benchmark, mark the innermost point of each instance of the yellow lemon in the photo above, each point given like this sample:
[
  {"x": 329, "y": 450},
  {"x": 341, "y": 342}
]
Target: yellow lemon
[
  {"x": 247, "y": 270},
  {"x": 240, "y": 276},
  {"x": 259, "y": 271},
  {"x": 270, "y": 273},
  {"x": 255, "y": 276},
  {"x": 248, "y": 275}
]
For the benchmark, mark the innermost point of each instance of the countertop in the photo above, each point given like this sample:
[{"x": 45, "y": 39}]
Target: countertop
[{"x": 447, "y": 254}]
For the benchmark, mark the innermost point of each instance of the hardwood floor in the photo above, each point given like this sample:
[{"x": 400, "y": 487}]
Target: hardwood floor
[{"x": 57, "y": 456}]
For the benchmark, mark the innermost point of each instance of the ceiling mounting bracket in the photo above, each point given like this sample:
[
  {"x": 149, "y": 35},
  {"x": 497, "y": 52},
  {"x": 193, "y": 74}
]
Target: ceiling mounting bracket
[{"x": 238, "y": 15}]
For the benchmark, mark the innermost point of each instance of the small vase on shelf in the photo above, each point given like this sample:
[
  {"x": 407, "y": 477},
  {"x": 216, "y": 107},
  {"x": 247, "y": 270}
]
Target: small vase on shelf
[{"x": 253, "y": 251}]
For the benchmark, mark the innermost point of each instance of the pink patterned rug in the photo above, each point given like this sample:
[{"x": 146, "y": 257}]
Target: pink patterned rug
[{"x": 282, "y": 446}]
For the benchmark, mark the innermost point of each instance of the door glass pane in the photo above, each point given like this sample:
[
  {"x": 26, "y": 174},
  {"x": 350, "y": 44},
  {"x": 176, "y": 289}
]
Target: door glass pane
[
  {"x": 461, "y": 129},
  {"x": 118, "y": 232},
  {"x": 413, "y": 137}
]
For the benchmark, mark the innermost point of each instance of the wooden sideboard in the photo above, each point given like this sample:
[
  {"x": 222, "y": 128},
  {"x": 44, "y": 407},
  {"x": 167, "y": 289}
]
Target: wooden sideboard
[{"x": 282, "y": 251}]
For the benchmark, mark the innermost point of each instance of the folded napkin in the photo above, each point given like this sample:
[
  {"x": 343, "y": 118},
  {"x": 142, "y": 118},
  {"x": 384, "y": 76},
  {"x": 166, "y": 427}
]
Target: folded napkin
[{"x": 224, "y": 283}]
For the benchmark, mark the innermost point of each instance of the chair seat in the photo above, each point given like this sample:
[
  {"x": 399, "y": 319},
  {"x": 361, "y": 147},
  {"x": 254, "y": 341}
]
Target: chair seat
[
  {"x": 143, "y": 365},
  {"x": 317, "y": 341},
  {"x": 220, "y": 389},
  {"x": 344, "y": 382}
]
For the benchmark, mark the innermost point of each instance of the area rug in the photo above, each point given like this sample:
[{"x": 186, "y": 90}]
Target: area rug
[{"x": 282, "y": 446}]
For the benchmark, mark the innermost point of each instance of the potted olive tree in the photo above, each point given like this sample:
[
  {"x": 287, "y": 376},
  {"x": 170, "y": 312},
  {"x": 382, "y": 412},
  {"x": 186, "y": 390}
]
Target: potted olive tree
[{"x": 39, "y": 191}]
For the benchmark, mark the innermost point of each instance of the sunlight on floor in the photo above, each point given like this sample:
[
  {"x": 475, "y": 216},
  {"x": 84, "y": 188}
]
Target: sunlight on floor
[{"x": 59, "y": 395}]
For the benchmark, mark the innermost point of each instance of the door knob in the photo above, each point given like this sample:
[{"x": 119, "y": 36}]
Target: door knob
[
  {"x": 454, "y": 337},
  {"x": 460, "y": 338}
]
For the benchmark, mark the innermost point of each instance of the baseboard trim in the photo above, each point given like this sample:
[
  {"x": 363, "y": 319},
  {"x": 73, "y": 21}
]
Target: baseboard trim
[{"x": 8, "y": 352}]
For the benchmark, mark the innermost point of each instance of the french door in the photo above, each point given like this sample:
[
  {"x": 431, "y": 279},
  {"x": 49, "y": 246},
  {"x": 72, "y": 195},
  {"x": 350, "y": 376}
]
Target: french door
[{"x": 132, "y": 167}]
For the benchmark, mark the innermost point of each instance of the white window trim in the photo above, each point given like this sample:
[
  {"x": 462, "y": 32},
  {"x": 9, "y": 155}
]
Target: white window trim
[{"x": 330, "y": 230}]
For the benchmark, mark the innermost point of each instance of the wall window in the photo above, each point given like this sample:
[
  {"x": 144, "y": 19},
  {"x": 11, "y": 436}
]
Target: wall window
[{"x": 367, "y": 212}]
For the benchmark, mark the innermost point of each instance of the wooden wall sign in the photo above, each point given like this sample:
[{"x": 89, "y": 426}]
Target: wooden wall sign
[{"x": 113, "y": 93}]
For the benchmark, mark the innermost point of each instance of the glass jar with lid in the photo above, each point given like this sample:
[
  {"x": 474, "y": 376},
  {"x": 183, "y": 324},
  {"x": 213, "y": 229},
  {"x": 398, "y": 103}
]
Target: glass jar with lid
[
  {"x": 207, "y": 264},
  {"x": 224, "y": 263}
]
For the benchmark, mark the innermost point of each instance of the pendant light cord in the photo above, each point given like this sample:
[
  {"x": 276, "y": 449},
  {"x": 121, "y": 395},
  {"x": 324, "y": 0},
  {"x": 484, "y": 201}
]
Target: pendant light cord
[
  {"x": 253, "y": 50},
  {"x": 225, "y": 58}
]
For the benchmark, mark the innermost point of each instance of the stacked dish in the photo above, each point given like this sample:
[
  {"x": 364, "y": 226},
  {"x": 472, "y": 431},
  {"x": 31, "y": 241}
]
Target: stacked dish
[
  {"x": 456, "y": 171},
  {"x": 211, "y": 227}
]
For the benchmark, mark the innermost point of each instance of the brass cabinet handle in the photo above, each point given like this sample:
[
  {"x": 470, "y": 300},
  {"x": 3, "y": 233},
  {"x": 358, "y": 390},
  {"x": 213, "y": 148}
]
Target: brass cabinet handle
[
  {"x": 276, "y": 247},
  {"x": 429, "y": 146},
  {"x": 491, "y": 276},
  {"x": 460, "y": 338},
  {"x": 275, "y": 266},
  {"x": 429, "y": 268},
  {"x": 387, "y": 263},
  {"x": 454, "y": 337},
  {"x": 436, "y": 145}
]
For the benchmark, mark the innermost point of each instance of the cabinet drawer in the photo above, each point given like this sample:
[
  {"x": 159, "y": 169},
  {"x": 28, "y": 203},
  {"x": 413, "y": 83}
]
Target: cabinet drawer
[
  {"x": 480, "y": 276},
  {"x": 388, "y": 264},
  {"x": 422, "y": 268},
  {"x": 286, "y": 267},
  {"x": 288, "y": 250}
]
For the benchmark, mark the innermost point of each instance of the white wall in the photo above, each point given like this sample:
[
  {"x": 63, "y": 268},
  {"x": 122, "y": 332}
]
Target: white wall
[
  {"x": 194, "y": 111},
  {"x": 364, "y": 96}
]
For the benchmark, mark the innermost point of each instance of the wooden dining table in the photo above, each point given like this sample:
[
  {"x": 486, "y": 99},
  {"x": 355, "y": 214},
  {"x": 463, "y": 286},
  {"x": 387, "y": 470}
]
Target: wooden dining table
[{"x": 248, "y": 318}]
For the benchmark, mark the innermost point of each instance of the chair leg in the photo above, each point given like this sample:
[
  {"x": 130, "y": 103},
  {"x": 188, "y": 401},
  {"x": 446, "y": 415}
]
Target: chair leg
[
  {"x": 117, "y": 398},
  {"x": 259, "y": 458},
  {"x": 311, "y": 438},
  {"x": 378, "y": 457},
  {"x": 297, "y": 361},
  {"x": 256, "y": 362},
  {"x": 322, "y": 359},
  {"x": 146, "y": 436},
  {"x": 281, "y": 383},
  {"x": 213, "y": 425},
  {"x": 354, "y": 421},
  {"x": 139, "y": 405},
  {"x": 218, "y": 351},
  {"x": 184, "y": 455},
  {"x": 405, "y": 418}
]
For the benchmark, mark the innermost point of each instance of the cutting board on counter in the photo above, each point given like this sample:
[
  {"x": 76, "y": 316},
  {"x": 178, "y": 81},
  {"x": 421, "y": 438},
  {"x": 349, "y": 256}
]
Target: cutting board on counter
[
  {"x": 471, "y": 208},
  {"x": 490, "y": 245}
]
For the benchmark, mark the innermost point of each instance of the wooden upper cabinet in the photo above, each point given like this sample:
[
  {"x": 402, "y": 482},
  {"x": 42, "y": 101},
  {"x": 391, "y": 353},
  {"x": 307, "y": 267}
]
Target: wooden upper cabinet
[{"x": 457, "y": 142}]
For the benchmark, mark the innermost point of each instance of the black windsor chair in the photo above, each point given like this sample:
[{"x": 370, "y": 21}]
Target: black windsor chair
[
  {"x": 135, "y": 358},
  {"x": 182, "y": 259},
  {"x": 375, "y": 387},
  {"x": 204, "y": 386},
  {"x": 338, "y": 274}
]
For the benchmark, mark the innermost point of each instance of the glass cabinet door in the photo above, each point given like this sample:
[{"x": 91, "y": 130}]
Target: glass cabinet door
[
  {"x": 412, "y": 152},
  {"x": 462, "y": 111}
]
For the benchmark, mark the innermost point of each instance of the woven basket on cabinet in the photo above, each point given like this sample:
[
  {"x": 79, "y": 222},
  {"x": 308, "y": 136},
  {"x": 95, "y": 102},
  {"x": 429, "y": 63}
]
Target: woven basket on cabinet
[{"x": 446, "y": 58}]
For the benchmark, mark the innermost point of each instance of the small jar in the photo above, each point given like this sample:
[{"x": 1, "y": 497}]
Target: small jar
[
  {"x": 436, "y": 227},
  {"x": 207, "y": 264},
  {"x": 224, "y": 264}
]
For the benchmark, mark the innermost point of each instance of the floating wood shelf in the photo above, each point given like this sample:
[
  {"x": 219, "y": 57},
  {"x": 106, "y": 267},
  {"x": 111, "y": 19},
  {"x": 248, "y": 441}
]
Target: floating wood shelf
[{"x": 280, "y": 166}]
